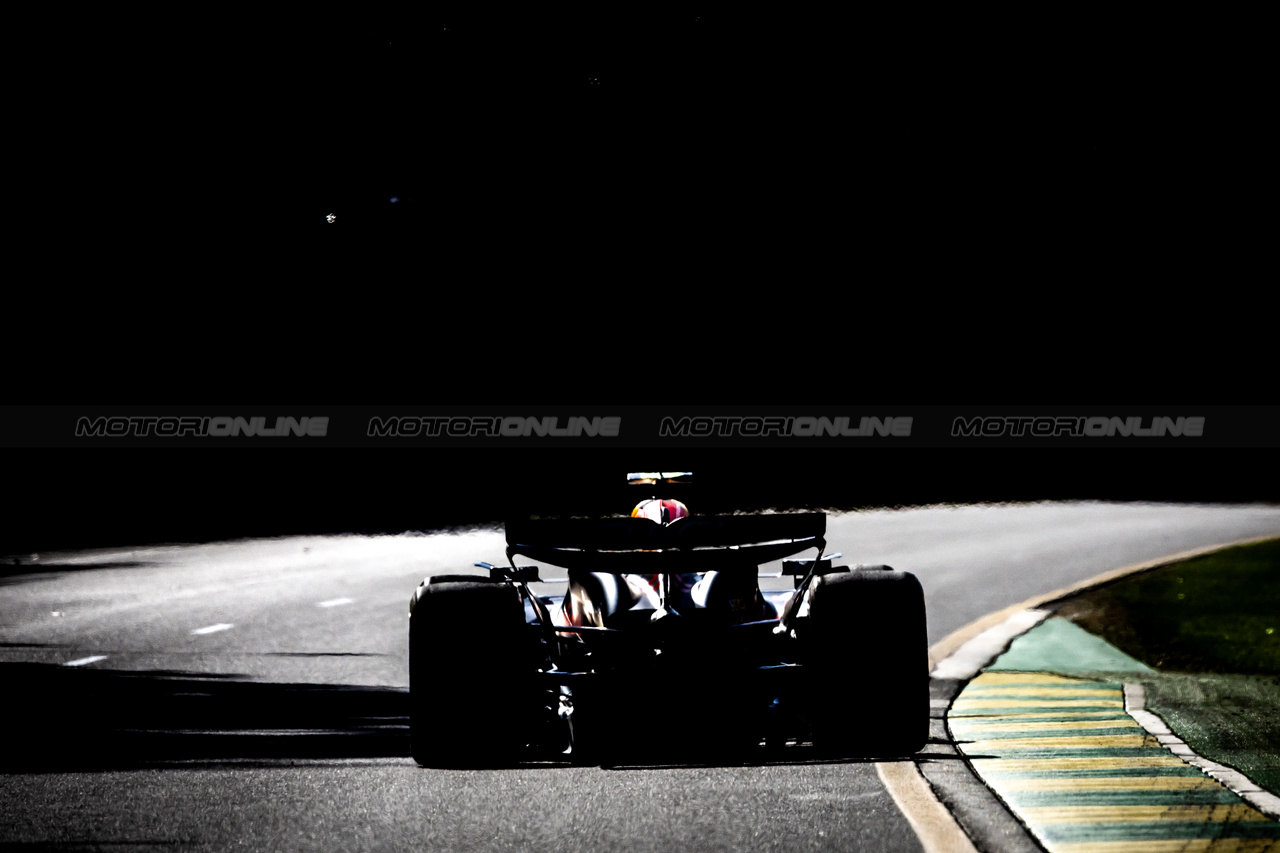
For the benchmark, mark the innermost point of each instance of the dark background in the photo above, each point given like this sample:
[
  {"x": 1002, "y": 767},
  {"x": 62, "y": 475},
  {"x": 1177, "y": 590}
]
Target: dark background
[
  {"x": 1049, "y": 148},
  {"x": 921, "y": 207}
]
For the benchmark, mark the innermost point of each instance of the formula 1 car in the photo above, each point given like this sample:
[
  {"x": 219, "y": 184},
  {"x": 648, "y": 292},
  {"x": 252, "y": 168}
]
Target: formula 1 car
[{"x": 664, "y": 647}]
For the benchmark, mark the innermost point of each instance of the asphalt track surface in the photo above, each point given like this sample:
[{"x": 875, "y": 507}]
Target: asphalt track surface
[{"x": 254, "y": 694}]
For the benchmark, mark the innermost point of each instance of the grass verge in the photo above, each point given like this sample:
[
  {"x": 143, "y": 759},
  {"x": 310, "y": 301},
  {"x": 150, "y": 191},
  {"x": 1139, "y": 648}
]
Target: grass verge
[{"x": 1211, "y": 627}]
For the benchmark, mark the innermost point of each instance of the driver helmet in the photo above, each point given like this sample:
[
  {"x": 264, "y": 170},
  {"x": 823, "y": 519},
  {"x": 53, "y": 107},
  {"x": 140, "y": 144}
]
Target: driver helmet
[
  {"x": 663, "y": 511},
  {"x": 660, "y": 510}
]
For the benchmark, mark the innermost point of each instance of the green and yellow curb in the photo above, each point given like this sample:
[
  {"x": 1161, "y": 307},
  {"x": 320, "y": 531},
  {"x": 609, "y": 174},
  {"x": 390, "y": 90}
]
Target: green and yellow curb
[{"x": 1085, "y": 776}]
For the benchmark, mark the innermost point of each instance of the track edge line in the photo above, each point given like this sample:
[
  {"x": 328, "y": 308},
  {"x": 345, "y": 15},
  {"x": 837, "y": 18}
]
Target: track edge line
[
  {"x": 935, "y": 826},
  {"x": 948, "y": 645},
  {"x": 1237, "y": 782}
]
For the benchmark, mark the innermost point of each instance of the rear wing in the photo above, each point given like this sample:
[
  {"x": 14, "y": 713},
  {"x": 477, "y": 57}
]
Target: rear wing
[
  {"x": 666, "y": 478},
  {"x": 638, "y": 545}
]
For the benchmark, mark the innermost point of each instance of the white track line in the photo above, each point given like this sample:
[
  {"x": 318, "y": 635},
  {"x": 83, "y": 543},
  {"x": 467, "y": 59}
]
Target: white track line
[
  {"x": 83, "y": 661},
  {"x": 934, "y": 825},
  {"x": 968, "y": 660},
  {"x": 335, "y": 602},
  {"x": 213, "y": 629},
  {"x": 1135, "y": 698}
]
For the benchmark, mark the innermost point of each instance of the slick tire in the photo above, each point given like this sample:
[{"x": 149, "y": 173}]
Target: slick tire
[
  {"x": 868, "y": 656},
  {"x": 467, "y": 681}
]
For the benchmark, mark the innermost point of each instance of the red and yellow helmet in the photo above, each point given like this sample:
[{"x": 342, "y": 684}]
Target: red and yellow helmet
[
  {"x": 660, "y": 510},
  {"x": 663, "y": 511}
]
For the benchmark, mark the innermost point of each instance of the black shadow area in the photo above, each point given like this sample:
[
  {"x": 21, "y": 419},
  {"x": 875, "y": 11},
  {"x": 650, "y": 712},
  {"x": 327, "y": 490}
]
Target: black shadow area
[
  {"x": 58, "y": 719},
  {"x": 61, "y": 719}
]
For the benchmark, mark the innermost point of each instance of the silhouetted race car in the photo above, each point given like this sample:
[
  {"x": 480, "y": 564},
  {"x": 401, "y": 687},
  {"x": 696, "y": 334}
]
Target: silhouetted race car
[{"x": 664, "y": 647}]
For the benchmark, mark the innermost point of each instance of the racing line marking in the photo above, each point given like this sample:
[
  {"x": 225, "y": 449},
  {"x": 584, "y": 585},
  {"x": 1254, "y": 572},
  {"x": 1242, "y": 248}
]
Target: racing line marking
[
  {"x": 335, "y": 602},
  {"x": 83, "y": 661},
  {"x": 212, "y": 629}
]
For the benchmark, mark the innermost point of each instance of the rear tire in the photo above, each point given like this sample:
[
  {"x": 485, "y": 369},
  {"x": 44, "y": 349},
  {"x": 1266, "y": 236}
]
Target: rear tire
[
  {"x": 867, "y": 649},
  {"x": 467, "y": 679}
]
